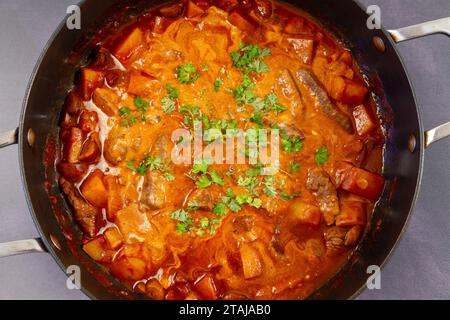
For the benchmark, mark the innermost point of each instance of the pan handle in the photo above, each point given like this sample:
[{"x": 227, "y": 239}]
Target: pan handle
[
  {"x": 8, "y": 138},
  {"x": 420, "y": 30},
  {"x": 21, "y": 246},
  {"x": 13, "y": 248}
]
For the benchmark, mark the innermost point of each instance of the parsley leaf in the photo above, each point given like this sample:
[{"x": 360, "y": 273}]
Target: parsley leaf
[
  {"x": 219, "y": 209},
  {"x": 217, "y": 83},
  {"x": 140, "y": 104},
  {"x": 322, "y": 155},
  {"x": 203, "y": 182},
  {"x": 250, "y": 59},
  {"x": 294, "y": 167},
  {"x": 187, "y": 73},
  {"x": 269, "y": 187},
  {"x": 171, "y": 91},
  {"x": 291, "y": 144},
  {"x": 168, "y": 104}
]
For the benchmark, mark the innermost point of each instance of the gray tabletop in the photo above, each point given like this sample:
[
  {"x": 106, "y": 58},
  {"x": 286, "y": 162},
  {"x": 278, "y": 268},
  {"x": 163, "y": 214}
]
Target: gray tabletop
[{"x": 419, "y": 267}]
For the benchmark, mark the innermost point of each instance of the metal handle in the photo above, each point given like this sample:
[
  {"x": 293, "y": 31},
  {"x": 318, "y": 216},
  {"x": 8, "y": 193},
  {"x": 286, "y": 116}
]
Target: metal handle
[
  {"x": 8, "y": 138},
  {"x": 22, "y": 246},
  {"x": 420, "y": 30}
]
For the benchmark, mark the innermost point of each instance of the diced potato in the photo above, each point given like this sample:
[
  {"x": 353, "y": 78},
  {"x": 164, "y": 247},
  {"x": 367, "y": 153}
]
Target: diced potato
[
  {"x": 115, "y": 198},
  {"x": 304, "y": 213},
  {"x": 129, "y": 45},
  {"x": 362, "y": 183},
  {"x": 354, "y": 93},
  {"x": 128, "y": 268},
  {"x": 363, "y": 120},
  {"x": 251, "y": 261},
  {"x": 94, "y": 190},
  {"x": 91, "y": 149},
  {"x": 206, "y": 287},
  {"x": 73, "y": 145},
  {"x": 73, "y": 172},
  {"x": 107, "y": 100},
  {"x": 244, "y": 23},
  {"x": 95, "y": 248},
  {"x": 90, "y": 80},
  {"x": 352, "y": 213},
  {"x": 193, "y": 10},
  {"x": 304, "y": 49},
  {"x": 113, "y": 237},
  {"x": 88, "y": 121},
  {"x": 142, "y": 85}
]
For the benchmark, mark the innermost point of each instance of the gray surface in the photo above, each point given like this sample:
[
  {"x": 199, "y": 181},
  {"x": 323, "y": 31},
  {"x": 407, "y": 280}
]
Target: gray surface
[{"x": 418, "y": 269}]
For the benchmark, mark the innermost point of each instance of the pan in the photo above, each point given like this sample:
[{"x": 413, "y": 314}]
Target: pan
[{"x": 375, "y": 51}]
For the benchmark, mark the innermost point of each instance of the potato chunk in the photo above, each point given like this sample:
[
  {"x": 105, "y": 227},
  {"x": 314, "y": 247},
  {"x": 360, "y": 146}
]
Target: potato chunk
[
  {"x": 251, "y": 261},
  {"x": 94, "y": 190}
]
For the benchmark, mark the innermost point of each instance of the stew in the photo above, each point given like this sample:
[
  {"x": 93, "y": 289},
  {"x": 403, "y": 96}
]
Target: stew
[{"x": 193, "y": 228}]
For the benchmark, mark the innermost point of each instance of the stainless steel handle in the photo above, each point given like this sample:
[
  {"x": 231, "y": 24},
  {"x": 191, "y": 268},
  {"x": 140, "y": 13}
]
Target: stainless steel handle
[
  {"x": 8, "y": 138},
  {"x": 21, "y": 246},
  {"x": 420, "y": 30}
]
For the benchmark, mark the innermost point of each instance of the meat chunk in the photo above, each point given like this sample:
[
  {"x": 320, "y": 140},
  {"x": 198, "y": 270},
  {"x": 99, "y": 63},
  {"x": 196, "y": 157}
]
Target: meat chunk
[
  {"x": 292, "y": 92},
  {"x": 85, "y": 214},
  {"x": 334, "y": 238},
  {"x": 308, "y": 84},
  {"x": 116, "y": 147},
  {"x": 153, "y": 191},
  {"x": 90, "y": 153},
  {"x": 320, "y": 185},
  {"x": 304, "y": 49},
  {"x": 201, "y": 199},
  {"x": 162, "y": 146},
  {"x": 73, "y": 172}
]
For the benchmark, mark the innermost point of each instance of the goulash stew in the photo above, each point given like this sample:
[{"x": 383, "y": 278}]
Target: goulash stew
[{"x": 201, "y": 229}]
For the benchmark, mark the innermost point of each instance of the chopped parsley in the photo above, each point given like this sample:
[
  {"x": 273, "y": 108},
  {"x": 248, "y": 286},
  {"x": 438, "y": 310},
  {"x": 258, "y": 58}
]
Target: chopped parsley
[
  {"x": 207, "y": 178},
  {"x": 187, "y": 73},
  {"x": 185, "y": 222},
  {"x": 140, "y": 104},
  {"x": 294, "y": 167},
  {"x": 250, "y": 59},
  {"x": 269, "y": 186},
  {"x": 171, "y": 91},
  {"x": 168, "y": 104},
  {"x": 322, "y": 155},
  {"x": 291, "y": 144},
  {"x": 217, "y": 83},
  {"x": 128, "y": 118},
  {"x": 149, "y": 164}
]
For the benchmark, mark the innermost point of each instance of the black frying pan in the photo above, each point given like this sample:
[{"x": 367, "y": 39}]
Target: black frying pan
[{"x": 403, "y": 158}]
